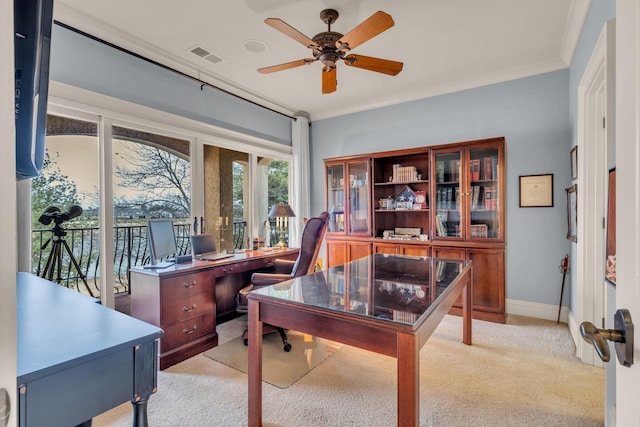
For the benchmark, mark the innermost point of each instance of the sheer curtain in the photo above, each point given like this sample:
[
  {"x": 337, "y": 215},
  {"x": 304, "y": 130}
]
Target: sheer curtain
[{"x": 300, "y": 181}]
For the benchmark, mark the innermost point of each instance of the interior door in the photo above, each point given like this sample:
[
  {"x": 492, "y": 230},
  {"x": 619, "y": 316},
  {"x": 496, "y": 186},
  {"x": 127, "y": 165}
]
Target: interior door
[{"x": 627, "y": 204}]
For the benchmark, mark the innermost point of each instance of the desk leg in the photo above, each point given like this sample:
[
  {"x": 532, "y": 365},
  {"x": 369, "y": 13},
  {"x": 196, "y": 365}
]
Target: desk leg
[
  {"x": 254, "y": 370},
  {"x": 467, "y": 305},
  {"x": 145, "y": 380},
  {"x": 408, "y": 381}
]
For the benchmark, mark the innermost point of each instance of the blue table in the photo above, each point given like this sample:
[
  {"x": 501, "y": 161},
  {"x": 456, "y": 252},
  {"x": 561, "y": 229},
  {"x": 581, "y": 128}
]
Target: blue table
[{"x": 77, "y": 359}]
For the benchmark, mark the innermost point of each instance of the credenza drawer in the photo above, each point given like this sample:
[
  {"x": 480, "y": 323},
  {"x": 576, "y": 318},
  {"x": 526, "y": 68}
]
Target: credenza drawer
[
  {"x": 180, "y": 309},
  {"x": 188, "y": 330},
  {"x": 189, "y": 284}
]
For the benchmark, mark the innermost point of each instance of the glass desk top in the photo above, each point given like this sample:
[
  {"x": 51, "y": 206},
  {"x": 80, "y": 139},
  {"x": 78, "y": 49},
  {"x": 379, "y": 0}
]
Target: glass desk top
[{"x": 395, "y": 288}]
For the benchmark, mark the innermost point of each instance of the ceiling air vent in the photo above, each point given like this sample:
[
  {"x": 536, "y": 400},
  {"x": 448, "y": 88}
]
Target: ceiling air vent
[{"x": 205, "y": 54}]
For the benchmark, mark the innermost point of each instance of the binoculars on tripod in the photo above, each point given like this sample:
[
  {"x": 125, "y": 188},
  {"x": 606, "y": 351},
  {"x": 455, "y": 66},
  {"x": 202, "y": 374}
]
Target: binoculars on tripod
[{"x": 54, "y": 214}]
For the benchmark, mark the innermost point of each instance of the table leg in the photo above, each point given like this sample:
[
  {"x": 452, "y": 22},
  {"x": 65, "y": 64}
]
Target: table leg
[
  {"x": 408, "y": 381},
  {"x": 140, "y": 413},
  {"x": 254, "y": 370},
  {"x": 467, "y": 305}
]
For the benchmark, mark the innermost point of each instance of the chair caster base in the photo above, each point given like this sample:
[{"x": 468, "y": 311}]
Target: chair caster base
[{"x": 287, "y": 347}]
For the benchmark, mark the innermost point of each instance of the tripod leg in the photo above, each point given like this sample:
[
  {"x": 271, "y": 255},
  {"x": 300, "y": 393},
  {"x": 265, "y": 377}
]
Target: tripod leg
[
  {"x": 75, "y": 264},
  {"x": 47, "y": 273}
]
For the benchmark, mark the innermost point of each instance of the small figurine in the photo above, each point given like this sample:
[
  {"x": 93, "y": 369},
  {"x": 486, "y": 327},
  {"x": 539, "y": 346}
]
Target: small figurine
[{"x": 267, "y": 232}]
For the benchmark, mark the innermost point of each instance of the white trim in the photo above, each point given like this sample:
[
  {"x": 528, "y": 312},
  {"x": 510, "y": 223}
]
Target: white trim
[
  {"x": 537, "y": 310},
  {"x": 594, "y": 104},
  {"x": 578, "y": 11}
]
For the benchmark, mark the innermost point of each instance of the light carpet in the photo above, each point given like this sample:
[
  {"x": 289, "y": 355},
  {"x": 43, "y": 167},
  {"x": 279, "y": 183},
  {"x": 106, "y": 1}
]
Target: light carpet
[
  {"x": 523, "y": 373},
  {"x": 279, "y": 368}
]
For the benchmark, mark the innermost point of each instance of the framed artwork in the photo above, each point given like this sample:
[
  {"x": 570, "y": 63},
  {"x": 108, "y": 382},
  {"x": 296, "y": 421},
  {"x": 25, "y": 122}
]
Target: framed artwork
[
  {"x": 574, "y": 162},
  {"x": 610, "y": 271},
  {"x": 536, "y": 191},
  {"x": 572, "y": 213}
]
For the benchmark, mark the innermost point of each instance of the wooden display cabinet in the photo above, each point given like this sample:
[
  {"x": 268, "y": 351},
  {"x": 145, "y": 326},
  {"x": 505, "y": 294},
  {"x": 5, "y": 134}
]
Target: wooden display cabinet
[
  {"x": 348, "y": 196},
  {"x": 462, "y": 214},
  {"x": 468, "y": 189}
]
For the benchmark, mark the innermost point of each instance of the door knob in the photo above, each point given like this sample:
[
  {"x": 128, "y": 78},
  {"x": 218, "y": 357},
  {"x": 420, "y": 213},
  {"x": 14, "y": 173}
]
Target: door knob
[{"x": 621, "y": 336}]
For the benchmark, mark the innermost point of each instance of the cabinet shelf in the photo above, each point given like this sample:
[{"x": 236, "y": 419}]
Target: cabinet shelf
[{"x": 390, "y": 183}]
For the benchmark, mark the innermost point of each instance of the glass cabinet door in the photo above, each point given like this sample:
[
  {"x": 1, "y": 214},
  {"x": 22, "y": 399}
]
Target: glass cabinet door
[
  {"x": 448, "y": 201},
  {"x": 484, "y": 193},
  {"x": 359, "y": 199},
  {"x": 335, "y": 197}
]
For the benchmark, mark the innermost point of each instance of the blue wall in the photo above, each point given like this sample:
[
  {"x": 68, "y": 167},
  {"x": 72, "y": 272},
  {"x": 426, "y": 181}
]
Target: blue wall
[
  {"x": 82, "y": 62},
  {"x": 533, "y": 116}
]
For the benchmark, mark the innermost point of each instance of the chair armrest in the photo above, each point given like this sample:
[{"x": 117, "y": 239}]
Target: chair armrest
[
  {"x": 266, "y": 279},
  {"x": 283, "y": 266}
]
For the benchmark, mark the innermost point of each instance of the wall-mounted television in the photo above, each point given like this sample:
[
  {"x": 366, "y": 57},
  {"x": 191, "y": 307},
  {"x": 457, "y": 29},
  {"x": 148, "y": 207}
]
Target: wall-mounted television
[
  {"x": 161, "y": 238},
  {"x": 32, "y": 21}
]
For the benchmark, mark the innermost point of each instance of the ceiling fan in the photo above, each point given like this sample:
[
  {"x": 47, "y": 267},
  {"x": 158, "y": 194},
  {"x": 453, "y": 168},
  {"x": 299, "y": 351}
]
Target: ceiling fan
[{"x": 330, "y": 46}]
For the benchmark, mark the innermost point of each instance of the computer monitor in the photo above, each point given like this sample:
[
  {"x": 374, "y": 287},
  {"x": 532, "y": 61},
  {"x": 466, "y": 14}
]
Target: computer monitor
[{"x": 162, "y": 242}]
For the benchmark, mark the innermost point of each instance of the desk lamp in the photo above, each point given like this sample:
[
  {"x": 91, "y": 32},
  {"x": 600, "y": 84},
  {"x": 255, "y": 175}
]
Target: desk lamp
[{"x": 281, "y": 213}]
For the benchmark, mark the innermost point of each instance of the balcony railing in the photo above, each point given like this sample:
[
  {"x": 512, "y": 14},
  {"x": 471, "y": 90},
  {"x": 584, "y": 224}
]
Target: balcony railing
[{"x": 130, "y": 250}]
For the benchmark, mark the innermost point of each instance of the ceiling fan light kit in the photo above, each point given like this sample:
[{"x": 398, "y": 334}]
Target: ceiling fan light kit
[{"x": 329, "y": 47}]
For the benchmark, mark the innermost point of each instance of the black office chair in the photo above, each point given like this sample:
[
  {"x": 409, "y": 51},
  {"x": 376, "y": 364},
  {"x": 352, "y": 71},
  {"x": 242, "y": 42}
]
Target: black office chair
[{"x": 312, "y": 235}]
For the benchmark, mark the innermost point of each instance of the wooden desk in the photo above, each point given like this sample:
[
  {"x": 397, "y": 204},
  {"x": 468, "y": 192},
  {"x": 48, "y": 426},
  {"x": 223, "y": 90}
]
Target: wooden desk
[
  {"x": 77, "y": 359},
  {"x": 389, "y": 304},
  {"x": 188, "y": 300}
]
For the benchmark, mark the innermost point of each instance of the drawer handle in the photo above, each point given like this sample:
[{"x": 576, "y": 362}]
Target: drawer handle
[
  {"x": 187, "y": 310},
  {"x": 190, "y": 285},
  {"x": 190, "y": 331}
]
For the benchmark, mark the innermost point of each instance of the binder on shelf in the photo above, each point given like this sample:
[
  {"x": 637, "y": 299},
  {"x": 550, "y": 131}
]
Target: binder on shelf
[{"x": 475, "y": 169}]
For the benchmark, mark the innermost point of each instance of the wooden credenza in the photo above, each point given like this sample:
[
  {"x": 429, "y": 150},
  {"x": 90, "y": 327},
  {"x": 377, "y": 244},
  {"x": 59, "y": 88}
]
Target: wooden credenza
[{"x": 188, "y": 300}]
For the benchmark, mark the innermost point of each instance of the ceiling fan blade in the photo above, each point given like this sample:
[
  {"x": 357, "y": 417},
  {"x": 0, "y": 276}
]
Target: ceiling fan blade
[
  {"x": 368, "y": 29},
  {"x": 384, "y": 66},
  {"x": 286, "y": 66},
  {"x": 288, "y": 30},
  {"x": 329, "y": 79}
]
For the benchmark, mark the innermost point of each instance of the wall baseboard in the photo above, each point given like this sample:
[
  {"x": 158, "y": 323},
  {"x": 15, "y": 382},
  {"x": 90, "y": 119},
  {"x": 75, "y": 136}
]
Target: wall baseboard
[{"x": 537, "y": 310}]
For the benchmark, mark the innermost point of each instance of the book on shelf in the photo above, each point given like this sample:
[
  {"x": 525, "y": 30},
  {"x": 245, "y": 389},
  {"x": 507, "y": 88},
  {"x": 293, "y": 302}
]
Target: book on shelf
[
  {"x": 448, "y": 198},
  {"x": 438, "y": 198},
  {"x": 454, "y": 170},
  {"x": 488, "y": 168},
  {"x": 490, "y": 195},
  {"x": 494, "y": 167},
  {"x": 475, "y": 196},
  {"x": 395, "y": 172},
  {"x": 475, "y": 169},
  {"x": 440, "y": 171},
  {"x": 457, "y": 201},
  {"x": 441, "y": 229}
]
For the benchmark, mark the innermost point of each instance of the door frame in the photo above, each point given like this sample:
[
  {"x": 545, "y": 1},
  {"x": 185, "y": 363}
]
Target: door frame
[{"x": 595, "y": 134}]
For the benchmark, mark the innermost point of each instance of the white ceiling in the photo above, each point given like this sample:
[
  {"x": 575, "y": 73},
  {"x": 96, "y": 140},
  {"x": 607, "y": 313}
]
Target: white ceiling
[{"x": 445, "y": 45}]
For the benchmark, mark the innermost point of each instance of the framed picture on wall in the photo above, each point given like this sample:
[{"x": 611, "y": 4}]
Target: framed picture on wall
[
  {"x": 536, "y": 191},
  {"x": 610, "y": 271},
  {"x": 572, "y": 213},
  {"x": 574, "y": 162}
]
